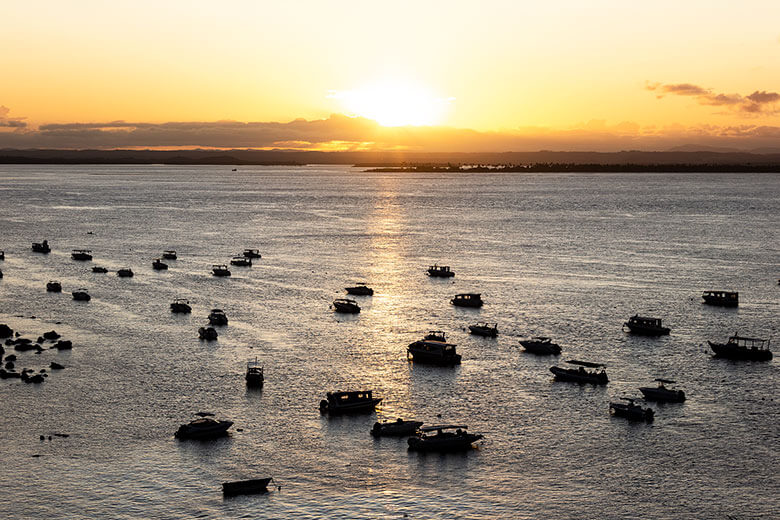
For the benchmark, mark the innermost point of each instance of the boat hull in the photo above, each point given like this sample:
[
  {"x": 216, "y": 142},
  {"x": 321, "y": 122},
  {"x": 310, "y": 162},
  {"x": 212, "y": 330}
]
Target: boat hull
[
  {"x": 632, "y": 413},
  {"x": 573, "y": 376},
  {"x": 541, "y": 349},
  {"x": 483, "y": 331},
  {"x": 719, "y": 302},
  {"x": 246, "y": 487},
  {"x": 187, "y": 432},
  {"x": 647, "y": 331},
  {"x": 367, "y": 406},
  {"x": 662, "y": 395},
  {"x": 395, "y": 429},
  {"x": 429, "y": 358},
  {"x": 460, "y": 443},
  {"x": 727, "y": 351}
]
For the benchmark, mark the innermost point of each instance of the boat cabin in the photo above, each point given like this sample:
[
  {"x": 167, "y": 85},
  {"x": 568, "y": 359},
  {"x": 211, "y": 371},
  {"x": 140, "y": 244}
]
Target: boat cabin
[
  {"x": 436, "y": 335},
  {"x": 748, "y": 343},
  {"x": 342, "y": 398},
  {"x": 642, "y": 321},
  {"x": 721, "y": 298}
]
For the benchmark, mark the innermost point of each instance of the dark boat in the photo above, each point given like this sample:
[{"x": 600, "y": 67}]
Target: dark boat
[
  {"x": 54, "y": 286},
  {"x": 580, "y": 375},
  {"x": 218, "y": 317},
  {"x": 738, "y": 347},
  {"x": 246, "y": 487},
  {"x": 203, "y": 429},
  {"x": 98, "y": 269},
  {"x": 484, "y": 329},
  {"x": 42, "y": 247},
  {"x": 254, "y": 373},
  {"x": 361, "y": 401},
  {"x": 125, "y": 272},
  {"x": 180, "y": 305},
  {"x": 207, "y": 333},
  {"x": 220, "y": 270},
  {"x": 82, "y": 255},
  {"x": 360, "y": 289},
  {"x": 159, "y": 265},
  {"x": 444, "y": 439},
  {"x": 662, "y": 393},
  {"x": 440, "y": 271},
  {"x": 433, "y": 352},
  {"x": 541, "y": 346},
  {"x": 169, "y": 254},
  {"x": 81, "y": 295},
  {"x": 346, "y": 305},
  {"x": 241, "y": 261},
  {"x": 721, "y": 298},
  {"x": 436, "y": 335},
  {"x": 397, "y": 428},
  {"x": 631, "y": 410},
  {"x": 467, "y": 300},
  {"x": 2, "y": 255},
  {"x": 637, "y": 324},
  {"x": 252, "y": 253},
  {"x": 1, "y": 274}
]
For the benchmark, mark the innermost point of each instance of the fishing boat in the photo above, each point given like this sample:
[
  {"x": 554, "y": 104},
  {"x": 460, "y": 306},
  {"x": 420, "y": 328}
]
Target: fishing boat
[
  {"x": 541, "y": 346},
  {"x": 346, "y": 305},
  {"x": 484, "y": 329},
  {"x": 436, "y": 335},
  {"x": 440, "y": 271},
  {"x": 82, "y": 255},
  {"x": 246, "y": 487},
  {"x": 645, "y": 326},
  {"x": 254, "y": 373},
  {"x": 630, "y": 410},
  {"x": 241, "y": 261},
  {"x": 218, "y": 317},
  {"x": 180, "y": 305},
  {"x": 721, "y": 298},
  {"x": 662, "y": 393},
  {"x": 207, "y": 333},
  {"x": 41, "y": 247},
  {"x": 360, "y": 289},
  {"x": 252, "y": 253},
  {"x": 361, "y": 401},
  {"x": 579, "y": 374},
  {"x": 54, "y": 286},
  {"x": 443, "y": 439},
  {"x": 203, "y": 428},
  {"x": 159, "y": 265},
  {"x": 169, "y": 254},
  {"x": 81, "y": 295},
  {"x": 397, "y": 428},
  {"x": 220, "y": 270},
  {"x": 742, "y": 348},
  {"x": 467, "y": 300},
  {"x": 433, "y": 352},
  {"x": 125, "y": 272},
  {"x": 98, "y": 269}
]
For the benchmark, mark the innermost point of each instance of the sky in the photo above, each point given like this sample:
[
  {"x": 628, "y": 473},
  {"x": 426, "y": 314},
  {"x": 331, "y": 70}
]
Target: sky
[{"x": 493, "y": 75}]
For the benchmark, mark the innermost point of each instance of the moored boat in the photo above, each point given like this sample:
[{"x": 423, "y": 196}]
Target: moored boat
[
  {"x": 54, "y": 286},
  {"x": 361, "y": 401},
  {"x": 467, "y": 300},
  {"x": 169, "y": 254},
  {"x": 742, "y": 348},
  {"x": 721, "y": 298},
  {"x": 252, "y": 253},
  {"x": 81, "y": 295},
  {"x": 159, "y": 265},
  {"x": 207, "y": 333},
  {"x": 662, "y": 393},
  {"x": 397, "y": 428},
  {"x": 443, "y": 439},
  {"x": 645, "y": 326},
  {"x": 246, "y": 487},
  {"x": 125, "y": 272},
  {"x": 203, "y": 428},
  {"x": 98, "y": 269},
  {"x": 346, "y": 305},
  {"x": 254, "y": 373},
  {"x": 218, "y": 317},
  {"x": 580, "y": 375},
  {"x": 241, "y": 261},
  {"x": 484, "y": 329},
  {"x": 82, "y": 255},
  {"x": 440, "y": 271},
  {"x": 2, "y": 255},
  {"x": 630, "y": 410},
  {"x": 220, "y": 270},
  {"x": 41, "y": 247},
  {"x": 541, "y": 346},
  {"x": 180, "y": 305},
  {"x": 433, "y": 352},
  {"x": 360, "y": 289}
]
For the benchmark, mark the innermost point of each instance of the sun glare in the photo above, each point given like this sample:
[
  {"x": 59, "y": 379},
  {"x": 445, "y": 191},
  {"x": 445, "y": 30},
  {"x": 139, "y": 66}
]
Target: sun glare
[{"x": 394, "y": 103}]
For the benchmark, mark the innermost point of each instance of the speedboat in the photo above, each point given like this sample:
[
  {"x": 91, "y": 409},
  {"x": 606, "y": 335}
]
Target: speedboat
[
  {"x": 252, "y": 253},
  {"x": 738, "y": 347},
  {"x": 721, "y": 298},
  {"x": 81, "y": 295},
  {"x": 82, "y": 255},
  {"x": 443, "y": 439},
  {"x": 436, "y": 335},
  {"x": 360, "y": 289},
  {"x": 54, "y": 286},
  {"x": 662, "y": 393},
  {"x": 125, "y": 272},
  {"x": 254, "y": 373},
  {"x": 361, "y": 401},
  {"x": 467, "y": 300},
  {"x": 541, "y": 346},
  {"x": 169, "y": 254},
  {"x": 484, "y": 329},
  {"x": 440, "y": 271},
  {"x": 159, "y": 265},
  {"x": 98, "y": 269},
  {"x": 241, "y": 261},
  {"x": 180, "y": 305},
  {"x": 346, "y": 305},
  {"x": 637, "y": 324},
  {"x": 397, "y": 428},
  {"x": 433, "y": 352},
  {"x": 220, "y": 270},
  {"x": 207, "y": 333},
  {"x": 246, "y": 487},
  {"x": 203, "y": 429},
  {"x": 218, "y": 317},
  {"x": 42, "y": 247},
  {"x": 580, "y": 375},
  {"x": 631, "y": 410}
]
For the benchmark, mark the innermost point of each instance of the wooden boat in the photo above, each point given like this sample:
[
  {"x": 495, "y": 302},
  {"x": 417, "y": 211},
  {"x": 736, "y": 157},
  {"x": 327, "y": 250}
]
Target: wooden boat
[
  {"x": 220, "y": 270},
  {"x": 252, "y": 253},
  {"x": 360, "y": 289},
  {"x": 397, "y": 428},
  {"x": 159, "y": 265},
  {"x": 433, "y": 352},
  {"x": 541, "y": 346},
  {"x": 98, "y": 269},
  {"x": 246, "y": 487},
  {"x": 207, "y": 333},
  {"x": 631, "y": 410},
  {"x": 82, "y": 255},
  {"x": 637, "y": 324},
  {"x": 346, "y": 305},
  {"x": 361, "y": 401},
  {"x": 254, "y": 373},
  {"x": 467, "y": 300},
  {"x": 662, "y": 393},
  {"x": 203, "y": 429},
  {"x": 180, "y": 305},
  {"x": 241, "y": 261},
  {"x": 42, "y": 247},
  {"x": 54, "y": 286},
  {"x": 436, "y": 335},
  {"x": 579, "y": 374},
  {"x": 440, "y": 271},
  {"x": 81, "y": 295},
  {"x": 443, "y": 439},
  {"x": 125, "y": 272},
  {"x": 169, "y": 254},
  {"x": 484, "y": 329},
  {"x": 218, "y": 317},
  {"x": 742, "y": 348},
  {"x": 721, "y": 298}
]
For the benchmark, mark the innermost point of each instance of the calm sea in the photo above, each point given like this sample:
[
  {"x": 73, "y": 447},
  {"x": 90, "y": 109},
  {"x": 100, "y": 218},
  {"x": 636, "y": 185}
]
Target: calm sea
[{"x": 570, "y": 256}]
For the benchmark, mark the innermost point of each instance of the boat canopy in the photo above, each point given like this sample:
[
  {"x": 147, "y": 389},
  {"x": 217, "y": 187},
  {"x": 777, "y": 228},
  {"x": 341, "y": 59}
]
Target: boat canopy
[
  {"x": 586, "y": 363},
  {"x": 443, "y": 427},
  {"x": 667, "y": 381},
  {"x": 742, "y": 341}
]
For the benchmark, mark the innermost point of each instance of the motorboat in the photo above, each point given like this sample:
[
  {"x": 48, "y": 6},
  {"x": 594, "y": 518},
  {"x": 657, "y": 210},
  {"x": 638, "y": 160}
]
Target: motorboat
[
  {"x": 220, "y": 270},
  {"x": 739, "y": 347},
  {"x": 218, "y": 317},
  {"x": 81, "y": 295},
  {"x": 207, "y": 333},
  {"x": 433, "y": 352},
  {"x": 246, "y": 487},
  {"x": 436, "y": 335},
  {"x": 630, "y": 410},
  {"x": 54, "y": 286},
  {"x": 169, "y": 254},
  {"x": 541, "y": 346},
  {"x": 254, "y": 373},
  {"x": 645, "y": 326},
  {"x": 180, "y": 305},
  {"x": 444, "y": 438},
  {"x": 346, "y": 305},
  {"x": 361, "y": 401},
  {"x": 203, "y": 428},
  {"x": 159, "y": 265},
  {"x": 252, "y": 253},
  {"x": 82, "y": 255},
  {"x": 662, "y": 393},
  {"x": 397, "y": 428},
  {"x": 467, "y": 300},
  {"x": 579, "y": 374},
  {"x": 484, "y": 329},
  {"x": 440, "y": 271},
  {"x": 98, "y": 269},
  {"x": 125, "y": 272},
  {"x": 241, "y": 261},
  {"x": 360, "y": 289},
  {"x": 41, "y": 247},
  {"x": 721, "y": 298}
]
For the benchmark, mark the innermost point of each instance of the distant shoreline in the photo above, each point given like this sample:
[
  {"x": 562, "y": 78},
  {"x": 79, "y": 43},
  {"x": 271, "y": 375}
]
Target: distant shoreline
[{"x": 583, "y": 168}]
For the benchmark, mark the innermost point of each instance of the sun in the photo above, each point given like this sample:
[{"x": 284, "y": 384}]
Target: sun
[{"x": 394, "y": 103}]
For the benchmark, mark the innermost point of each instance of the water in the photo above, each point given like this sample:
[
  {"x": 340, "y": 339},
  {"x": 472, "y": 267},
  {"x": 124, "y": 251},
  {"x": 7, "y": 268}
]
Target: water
[{"x": 571, "y": 256}]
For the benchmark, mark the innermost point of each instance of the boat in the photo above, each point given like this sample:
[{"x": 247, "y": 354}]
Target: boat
[
  {"x": 2, "y": 255},
  {"x": 433, "y": 352},
  {"x": 220, "y": 270},
  {"x": 361, "y": 401},
  {"x": 443, "y": 439},
  {"x": 218, "y": 317},
  {"x": 125, "y": 272},
  {"x": 484, "y": 329},
  {"x": 632, "y": 411},
  {"x": 637, "y": 324},
  {"x": 440, "y": 271},
  {"x": 159, "y": 265},
  {"x": 360, "y": 289},
  {"x": 169, "y": 254},
  {"x": 541, "y": 346},
  {"x": 739, "y": 347},
  {"x": 98, "y": 269},
  {"x": 54, "y": 286},
  {"x": 246, "y": 487},
  {"x": 346, "y": 305},
  {"x": 81, "y": 295},
  {"x": 467, "y": 300},
  {"x": 436, "y": 335},
  {"x": 252, "y": 253},
  {"x": 254, "y": 373},
  {"x": 42, "y": 247},
  {"x": 397, "y": 428},
  {"x": 241, "y": 261},
  {"x": 207, "y": 333},
  {"x": 83, "y": 255},
  {"x": 203, "y": 428},
  {"x": 662, "y": 393},
  {"x": 580, "y": 375},
  {"x": 180, "y": 305},
  {"x": 721, "y": 298}
]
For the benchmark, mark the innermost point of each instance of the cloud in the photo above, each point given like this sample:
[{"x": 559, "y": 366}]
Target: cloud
[
  {"x": 759, "y": 102},
  {"x": 10, "y": 122}
]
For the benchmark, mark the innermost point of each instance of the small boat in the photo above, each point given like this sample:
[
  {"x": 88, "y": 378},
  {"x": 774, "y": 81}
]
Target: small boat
[
  {"x": 203, "y": 429},
  {"x": 54, "y": 286},
  {"x": 346, "y": 305},
  {"x": 42, "y": 247},
  {"x": 220, "y": 270},
  {"x": 180, "y": 305},
  {"x": 159, "y": 265},
  {"x": 169, "y": 254},
  {"x": 81, "y": 295},
  {"x": 98, "y": 269},
  {"x": 738, "y": 347},
  {"x": 484, "y": 329},
  {"x": 246, "y": 487},
  {"x": 541, "y": 346},
  {"x": 254, "y": 373},
  {"x": 241, "y": 261},
  {"x": 82, "y": 255},
  {"x": 207, "y": 333},
  {"x": 467, "y": 300},
  {"x": 444, "y": 439},
  {"x": 2, "y": 255},
  {"x": 433, "y": 352},
  {"x": 1, "y": 274},
  {"x": 580, "y": 375},
  {"x": 440, "y": 271},
  {"x": 631, "y": 410},
  {"x": 637, "y": 324},
  {"x": 721, "y": 298},
  {"x": 436, "y": 335},
  {"x": 360, "y": 289},
  {"x": 125, "y": 272},
  {"x": 361, "y": 401},
  {"x": 218, "y": 317},
  {"x": 397, "y": 428},
  {"x": 662, "y": 393},
  {"x": 252, "y": 253}
]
